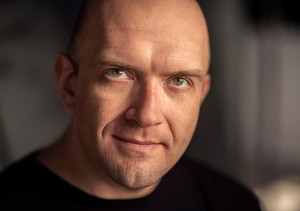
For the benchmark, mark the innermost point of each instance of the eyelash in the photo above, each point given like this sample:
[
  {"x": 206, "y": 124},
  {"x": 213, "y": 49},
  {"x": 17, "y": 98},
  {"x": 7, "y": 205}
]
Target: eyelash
[
  {"x": 188, "y": 81},
  {"x": 110, "y": 74},
  {"x": 187, "y": 78}
]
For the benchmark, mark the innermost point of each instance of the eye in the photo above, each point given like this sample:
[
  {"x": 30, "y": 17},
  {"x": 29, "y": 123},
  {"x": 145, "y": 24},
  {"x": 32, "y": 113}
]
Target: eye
[
  {"x": 117, "y": 73},
  {"x": 179, "y": 82}
]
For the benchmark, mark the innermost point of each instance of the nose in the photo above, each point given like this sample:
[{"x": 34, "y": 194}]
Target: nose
[{"x": 146, "y": 110}]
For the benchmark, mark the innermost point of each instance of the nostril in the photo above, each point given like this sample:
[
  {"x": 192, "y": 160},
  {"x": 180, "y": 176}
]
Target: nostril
[
  {"x": 130, "y": 113},
  {"x": 144, "y": 116}
]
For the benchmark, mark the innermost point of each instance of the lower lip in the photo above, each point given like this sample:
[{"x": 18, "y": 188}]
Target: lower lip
[{"x": 135, "y": 146}]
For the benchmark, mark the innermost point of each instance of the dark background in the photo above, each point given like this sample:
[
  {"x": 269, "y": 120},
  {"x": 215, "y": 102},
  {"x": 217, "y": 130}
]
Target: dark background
[{"x": 249, "y": 123}]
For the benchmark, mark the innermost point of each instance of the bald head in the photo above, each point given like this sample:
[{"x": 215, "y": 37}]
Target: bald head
[
  {"x": 173, "y": 20},
  {"x": 141, "y": 79}
]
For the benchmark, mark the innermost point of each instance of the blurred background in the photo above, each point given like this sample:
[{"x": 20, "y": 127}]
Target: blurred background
[{"x": 249, "y": 125}]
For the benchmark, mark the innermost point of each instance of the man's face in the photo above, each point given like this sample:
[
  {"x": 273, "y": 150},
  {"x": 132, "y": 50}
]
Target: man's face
[{"x": 138, "y": 91}]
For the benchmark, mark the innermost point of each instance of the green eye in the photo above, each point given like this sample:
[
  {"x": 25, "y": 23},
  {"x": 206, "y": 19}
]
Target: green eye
[
  {"x": 117, "y": 73},
  {"x": 179, "y": 82}
]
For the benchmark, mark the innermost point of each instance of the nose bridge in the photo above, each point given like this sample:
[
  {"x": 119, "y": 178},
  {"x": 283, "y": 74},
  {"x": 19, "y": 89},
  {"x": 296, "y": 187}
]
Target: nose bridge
[
  {"x": 147, "y": 107},
  {"x": 148, "y": 96}
]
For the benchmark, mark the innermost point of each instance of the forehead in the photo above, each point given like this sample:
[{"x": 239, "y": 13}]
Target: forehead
[
  {"x": 172, "y": 18},
  {"x": 149, "y": 50},
  {"x": 154, "y": 14},
  {"x": 146, "y": 28}
]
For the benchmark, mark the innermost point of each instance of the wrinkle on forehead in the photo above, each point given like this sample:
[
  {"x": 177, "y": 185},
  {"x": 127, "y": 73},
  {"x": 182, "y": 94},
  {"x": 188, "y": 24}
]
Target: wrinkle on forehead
[
  {"x": 153, "y": 37},
  {"x": 155, "y": 45},
  {"x": 176, "y": 22}
]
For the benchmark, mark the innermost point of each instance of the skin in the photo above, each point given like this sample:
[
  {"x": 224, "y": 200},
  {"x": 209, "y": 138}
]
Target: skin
[{"x": 135, "y": 97}]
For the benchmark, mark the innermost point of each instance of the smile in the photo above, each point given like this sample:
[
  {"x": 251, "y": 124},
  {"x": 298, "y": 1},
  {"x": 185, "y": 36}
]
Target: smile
[{"x": 137, "y": 144}]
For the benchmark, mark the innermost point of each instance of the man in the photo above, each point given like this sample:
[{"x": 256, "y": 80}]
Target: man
[{"x": 133, "y": 82}]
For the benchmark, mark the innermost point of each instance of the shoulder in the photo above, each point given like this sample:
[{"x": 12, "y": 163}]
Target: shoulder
[
  {"x": 18, "y": 182},
  {"x": 18, "y": 170},
  {"x": 14, "y": 172},
  {"x": 220, "y": 191},
  {"x": 21, "y": 184},
  {"x": 16, "y": 177}
]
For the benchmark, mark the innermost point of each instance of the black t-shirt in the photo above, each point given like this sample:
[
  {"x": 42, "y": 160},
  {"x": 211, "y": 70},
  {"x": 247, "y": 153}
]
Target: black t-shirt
[{"x": 28, "y": 185}]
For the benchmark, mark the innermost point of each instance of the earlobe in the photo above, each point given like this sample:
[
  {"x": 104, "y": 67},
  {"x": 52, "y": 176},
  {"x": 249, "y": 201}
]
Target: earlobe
[
  {"x": 205, "y": 86},
  {"x": 65, "y": 80}
]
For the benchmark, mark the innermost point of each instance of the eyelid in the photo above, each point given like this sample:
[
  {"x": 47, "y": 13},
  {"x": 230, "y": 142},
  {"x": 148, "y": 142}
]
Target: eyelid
[
  {"x": 107, "y": 70},
  {"x": 188, "y": 80}
]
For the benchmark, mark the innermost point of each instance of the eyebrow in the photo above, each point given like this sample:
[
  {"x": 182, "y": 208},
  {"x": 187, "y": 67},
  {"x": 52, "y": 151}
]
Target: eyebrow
[
  {"x": 115, "y": 63},
  {"x": 109, "y": 62}
]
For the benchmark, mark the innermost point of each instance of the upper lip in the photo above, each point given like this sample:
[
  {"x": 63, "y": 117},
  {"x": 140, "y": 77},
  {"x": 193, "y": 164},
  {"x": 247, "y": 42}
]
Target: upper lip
[{"x": 137, "y": 141}]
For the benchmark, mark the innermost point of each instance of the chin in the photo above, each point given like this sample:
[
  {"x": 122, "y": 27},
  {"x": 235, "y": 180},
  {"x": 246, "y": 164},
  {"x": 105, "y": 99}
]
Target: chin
[
  {"x": 137, "y": 181},
  {"x": 136, "y": 175}
]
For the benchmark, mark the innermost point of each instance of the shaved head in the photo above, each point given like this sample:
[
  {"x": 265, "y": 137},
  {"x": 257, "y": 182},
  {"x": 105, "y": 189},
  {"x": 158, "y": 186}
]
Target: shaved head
[
  {"x": 171, "y": 17},
  {"x": 134, "y": 82}
]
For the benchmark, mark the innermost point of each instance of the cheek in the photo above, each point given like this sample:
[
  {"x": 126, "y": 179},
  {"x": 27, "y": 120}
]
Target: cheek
[
  {"x": 183, "y": 120},
  {"x": 99, "y": 104}
]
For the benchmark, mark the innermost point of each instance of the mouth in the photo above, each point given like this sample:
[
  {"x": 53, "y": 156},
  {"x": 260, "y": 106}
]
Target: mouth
[{"x": 137, "y": 144}]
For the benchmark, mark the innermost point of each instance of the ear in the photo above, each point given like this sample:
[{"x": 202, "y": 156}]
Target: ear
[
  {"x": 205, "y": 86},
  {"x": 65, "y": 81}
]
